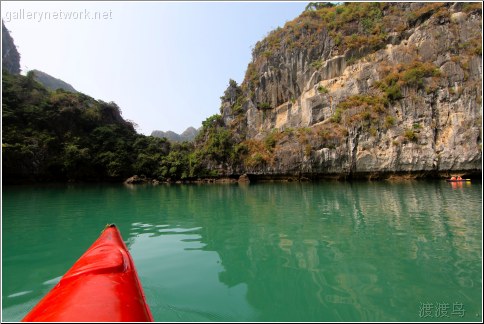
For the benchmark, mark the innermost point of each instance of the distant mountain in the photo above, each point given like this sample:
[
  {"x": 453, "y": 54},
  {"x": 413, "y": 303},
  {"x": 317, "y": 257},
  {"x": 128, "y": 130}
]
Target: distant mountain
[
  {"x": 52, "y": 83},
  {"x": 10, "y": 55},
  {"x": 188, "y": 135}
]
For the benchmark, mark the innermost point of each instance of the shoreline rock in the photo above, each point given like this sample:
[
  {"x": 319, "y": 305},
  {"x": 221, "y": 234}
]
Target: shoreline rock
[
  {"x": 313, "y": 177},
  {"x": 244, "y": 179},
  {"x": 137, "y": 180}
]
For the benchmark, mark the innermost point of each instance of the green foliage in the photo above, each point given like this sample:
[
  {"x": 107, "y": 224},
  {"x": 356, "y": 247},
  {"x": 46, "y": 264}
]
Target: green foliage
[
  {"x": 373, "y": 17},
  {"x": 389, "y": 121},
  {"x": 365, "y": 101},
  {"x": 267, "y": 54},
  {"x": 415, "y": 74},
  {"x": 176, "y": 165},
  {"x": 364, "y": 41},
  {"x": 289, "y": 131},
  {"x": 373, "y": 131},
  {"x": 251, "y": 79},
  {"x": 366, "y": 110},
  {"x": 234, "y": 96},
  {"x": 75, "y": 160},
  {"x": 256, "y": 160},
  {"x": 232, "y": 91},
  {"x": 307, "y": 150},
  {"x": 472, "y": 7},
  {"x": 271, "y": 140},
  {"x": 410, "y": 135},
  {"x": 472, "y": 46},
  {"x": 322, "y": 90},
  {"x": 264, "y": 106},
  {"x": 214, "y": 145},
  {"x": 392, "y": 92},
  {"x": 237, "y": 107},
  {"x": 338, "y": 39},
  {"x": 58, "y": 135},
  {"x": 258, "y": 154},
  {"x": 219, "y": 145},
  {"x": 336, "y": 118},
  {"x": 210, "y": 123},
  {"x": 331, "y": 135},
  {"x": 69, "y": 136},
  {"x": 409, "y": 75},
  {"x": 317, "y": 64},
  {"x": 352, "y": 60},
  {"x": 425, "y": 11},
  {"x": 150, "y": 152}
]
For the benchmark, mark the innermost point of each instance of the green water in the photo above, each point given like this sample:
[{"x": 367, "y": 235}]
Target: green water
[{"x": 266, "y": 252}]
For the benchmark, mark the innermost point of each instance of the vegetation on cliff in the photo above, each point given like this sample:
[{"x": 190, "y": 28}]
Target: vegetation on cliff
[
  {"x": 65, "y": 136},
  {"x": 340, "y": 89},
  {"x": 362, "y": 87}
]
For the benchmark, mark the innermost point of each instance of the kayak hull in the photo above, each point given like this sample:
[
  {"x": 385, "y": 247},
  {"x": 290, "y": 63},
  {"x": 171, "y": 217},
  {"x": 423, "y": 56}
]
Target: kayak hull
[
  {"x": 102, "y": 286},
  {"x": 461, "y": 180}
]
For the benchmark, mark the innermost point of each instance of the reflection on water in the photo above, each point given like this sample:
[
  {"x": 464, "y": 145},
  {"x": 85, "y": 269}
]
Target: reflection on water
[{"x": 267, "y": 252}]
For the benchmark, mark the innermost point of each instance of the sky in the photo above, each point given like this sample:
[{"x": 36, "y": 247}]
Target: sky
[{"x": 166, "y": 64}]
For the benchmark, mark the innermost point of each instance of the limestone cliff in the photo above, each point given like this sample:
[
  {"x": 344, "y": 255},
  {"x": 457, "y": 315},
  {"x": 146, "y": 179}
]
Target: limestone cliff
[
  {"x": 363, "y": 89},
  {"x": 10, "y": 55}
]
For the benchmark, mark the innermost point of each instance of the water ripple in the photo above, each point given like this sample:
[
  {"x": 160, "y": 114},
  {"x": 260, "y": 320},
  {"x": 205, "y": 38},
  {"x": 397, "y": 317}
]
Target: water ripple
[{"x": 22, "y": 293}]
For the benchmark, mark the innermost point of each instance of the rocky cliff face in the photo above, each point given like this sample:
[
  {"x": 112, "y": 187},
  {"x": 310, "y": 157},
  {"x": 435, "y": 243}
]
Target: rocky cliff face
[
  {"x": 52, "y": 83},
  {"x": 10, "y": 55},
  {"x": 396, "y": 89}
]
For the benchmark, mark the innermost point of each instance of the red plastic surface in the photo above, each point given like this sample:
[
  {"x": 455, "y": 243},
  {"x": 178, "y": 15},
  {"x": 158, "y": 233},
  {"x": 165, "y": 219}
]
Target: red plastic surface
[{"x": 102, "y": 286}]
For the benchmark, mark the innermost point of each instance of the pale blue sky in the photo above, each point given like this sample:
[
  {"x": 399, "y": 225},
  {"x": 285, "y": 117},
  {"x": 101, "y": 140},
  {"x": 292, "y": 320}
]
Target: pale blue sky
[{"x": 166, "y": 64}]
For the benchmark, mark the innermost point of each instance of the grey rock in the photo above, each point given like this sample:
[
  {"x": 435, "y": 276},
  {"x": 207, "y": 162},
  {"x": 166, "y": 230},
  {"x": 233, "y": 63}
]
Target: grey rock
[
  {"x": 445, "y": 114},
  {"x": 10, "y": 55}
]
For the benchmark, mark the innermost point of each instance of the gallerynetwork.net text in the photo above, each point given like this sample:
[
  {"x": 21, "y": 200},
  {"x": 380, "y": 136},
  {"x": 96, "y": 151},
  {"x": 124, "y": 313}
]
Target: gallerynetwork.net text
[{"x": 40, "y": 16}]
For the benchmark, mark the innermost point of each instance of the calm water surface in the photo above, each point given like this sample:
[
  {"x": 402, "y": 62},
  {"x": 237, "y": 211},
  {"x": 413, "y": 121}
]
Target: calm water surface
[{"x": 266, "y": 252}]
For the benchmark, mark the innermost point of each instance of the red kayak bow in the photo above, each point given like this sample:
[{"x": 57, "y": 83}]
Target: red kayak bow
[{"x": 102, "y": 286}]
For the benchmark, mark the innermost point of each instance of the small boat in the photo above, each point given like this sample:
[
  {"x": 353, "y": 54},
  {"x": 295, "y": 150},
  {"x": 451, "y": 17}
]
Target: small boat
[
  {"x": 101, "y": 286},
  {"x": 457, "y": 180}
]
